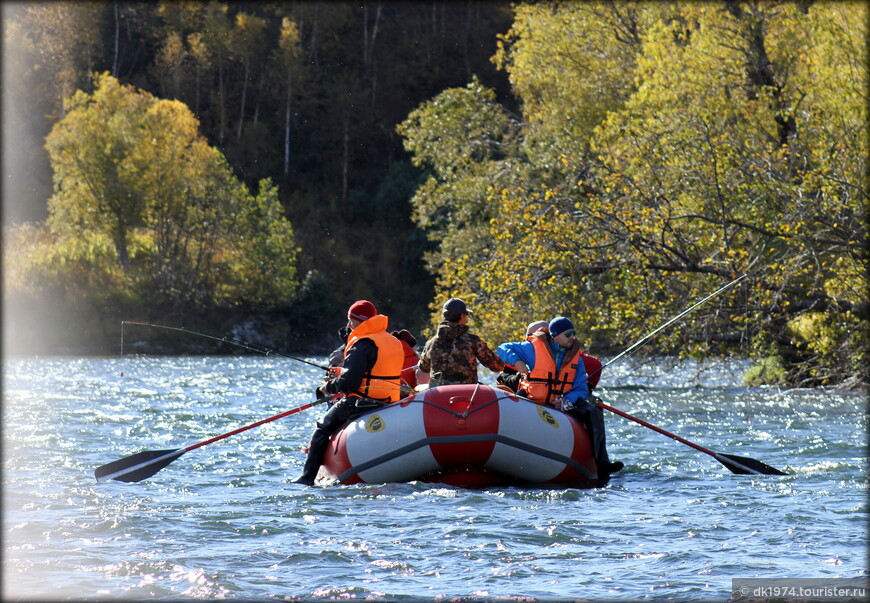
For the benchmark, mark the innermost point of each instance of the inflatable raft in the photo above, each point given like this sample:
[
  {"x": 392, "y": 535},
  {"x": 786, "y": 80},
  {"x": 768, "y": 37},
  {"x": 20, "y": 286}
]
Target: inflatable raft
[{"x": 462, "y": 435}]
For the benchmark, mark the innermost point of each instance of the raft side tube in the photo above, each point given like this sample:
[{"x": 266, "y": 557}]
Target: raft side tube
[{"x": 466, "y": 434}]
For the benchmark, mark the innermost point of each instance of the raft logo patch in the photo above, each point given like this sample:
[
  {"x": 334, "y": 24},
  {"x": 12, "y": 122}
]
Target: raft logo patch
[
  {"x": 375, "y": 423},
  {"x": 547, "y": 417}
]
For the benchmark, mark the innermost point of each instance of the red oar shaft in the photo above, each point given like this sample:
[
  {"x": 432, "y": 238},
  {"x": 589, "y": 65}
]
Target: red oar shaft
[
  {"x": 142, "y": 465},
  {"x": 654, "y": 428},
  {"x": 253, "y": 425},
  {"x": 735, "y": 464}
]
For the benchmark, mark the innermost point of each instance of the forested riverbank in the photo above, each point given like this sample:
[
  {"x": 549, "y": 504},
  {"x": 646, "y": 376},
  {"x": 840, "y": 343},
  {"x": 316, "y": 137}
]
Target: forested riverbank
[
  {"x": 250, "y": 169},
  {"x": 305, "y": 94}
]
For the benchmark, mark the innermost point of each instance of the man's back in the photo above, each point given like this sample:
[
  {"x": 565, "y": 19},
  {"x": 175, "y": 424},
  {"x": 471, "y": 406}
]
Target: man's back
[{"x": 451, "y": 356}]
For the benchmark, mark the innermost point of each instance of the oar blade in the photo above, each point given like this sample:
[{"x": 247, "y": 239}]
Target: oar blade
[
  {"x": 136, "y": 467},
  {"x": 743, "y": 465}
]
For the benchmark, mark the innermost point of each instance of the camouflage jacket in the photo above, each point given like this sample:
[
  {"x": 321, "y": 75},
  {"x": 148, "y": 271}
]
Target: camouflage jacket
[{"x": 452, "y": 355}]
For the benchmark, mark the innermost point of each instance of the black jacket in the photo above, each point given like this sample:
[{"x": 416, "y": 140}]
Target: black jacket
[{"x": 359, "y": 361}]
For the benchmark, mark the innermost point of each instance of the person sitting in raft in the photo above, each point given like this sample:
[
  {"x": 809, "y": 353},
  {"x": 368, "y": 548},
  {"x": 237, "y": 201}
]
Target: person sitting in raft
[
  {"x": 409, "y": 367},
  {"x": 451, "y": 356},
  {"x": 553, "y": 371},
  {"x": 370, "y": 378},
  {"x": 511, "y": 375}
]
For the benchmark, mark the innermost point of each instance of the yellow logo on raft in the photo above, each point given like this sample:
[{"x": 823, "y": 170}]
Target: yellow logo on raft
[
  {"x": 547, "y": 417},
  {"x": 375, "y": 423}
]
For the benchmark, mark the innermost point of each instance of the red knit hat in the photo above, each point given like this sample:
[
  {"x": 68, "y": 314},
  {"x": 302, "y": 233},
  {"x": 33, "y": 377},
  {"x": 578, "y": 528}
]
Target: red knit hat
[{"x": 362, "y": 310}]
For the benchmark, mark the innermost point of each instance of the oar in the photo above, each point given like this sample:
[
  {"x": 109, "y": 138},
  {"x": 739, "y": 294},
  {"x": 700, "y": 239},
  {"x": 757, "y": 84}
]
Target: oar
[
  {"x": 737, "y": 464},
  {"x": 142, "y": 465}
]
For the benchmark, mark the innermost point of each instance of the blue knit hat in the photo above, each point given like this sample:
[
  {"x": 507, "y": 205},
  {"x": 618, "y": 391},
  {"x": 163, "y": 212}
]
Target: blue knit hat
[{"x": 559, "y": 325}]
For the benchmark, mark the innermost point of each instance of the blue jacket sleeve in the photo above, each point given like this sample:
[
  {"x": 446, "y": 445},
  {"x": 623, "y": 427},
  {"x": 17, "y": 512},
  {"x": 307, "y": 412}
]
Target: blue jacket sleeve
[
  {"x": 513, "y": 351},
  {"x": 579, "y": 389}
]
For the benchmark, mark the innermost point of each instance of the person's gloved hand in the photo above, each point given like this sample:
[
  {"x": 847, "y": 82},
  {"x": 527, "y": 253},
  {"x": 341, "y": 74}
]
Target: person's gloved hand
[
  {"x": 510, "y": 380},
  {"x": 564, "y": 404}
]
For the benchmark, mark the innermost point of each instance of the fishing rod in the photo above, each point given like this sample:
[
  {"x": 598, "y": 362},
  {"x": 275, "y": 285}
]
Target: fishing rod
[
  {"x": 648, "y": 336},
  {"x": 262, "y": 350},
  {"x": 241, "y": 344},
  {"x": 736, "y": 464}
]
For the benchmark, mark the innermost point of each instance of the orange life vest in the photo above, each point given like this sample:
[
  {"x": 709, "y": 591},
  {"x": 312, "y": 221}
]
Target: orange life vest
[
  {"x": 382, "y": 382},
  {"x": 545, "y": 380}
]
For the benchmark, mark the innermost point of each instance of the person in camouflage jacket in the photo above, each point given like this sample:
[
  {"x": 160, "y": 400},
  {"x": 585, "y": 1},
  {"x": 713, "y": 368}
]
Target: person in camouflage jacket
[{"x": 451, "y": 356}]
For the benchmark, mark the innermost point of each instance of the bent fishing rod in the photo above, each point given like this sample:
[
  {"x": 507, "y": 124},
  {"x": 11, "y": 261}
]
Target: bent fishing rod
[
  {"x": 736, "y": 464},
  {"x": 241, "y": 344},
  {"x": 651, "y": 334}
]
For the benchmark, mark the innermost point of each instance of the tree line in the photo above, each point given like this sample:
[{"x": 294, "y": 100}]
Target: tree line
[
  {"x": 302, "y": 97},
  {"x": 662, "y": 150},
  {"x": 603, "y": 160}
]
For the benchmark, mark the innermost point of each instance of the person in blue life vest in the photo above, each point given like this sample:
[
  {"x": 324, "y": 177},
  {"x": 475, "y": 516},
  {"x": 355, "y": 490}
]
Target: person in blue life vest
[
  {"x": 369, "y": 378},
  {"x": 552, "y": 370}
]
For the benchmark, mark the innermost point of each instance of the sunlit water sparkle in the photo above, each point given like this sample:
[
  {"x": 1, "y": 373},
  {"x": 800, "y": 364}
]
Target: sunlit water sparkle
[{"x": 226, "y": 521}]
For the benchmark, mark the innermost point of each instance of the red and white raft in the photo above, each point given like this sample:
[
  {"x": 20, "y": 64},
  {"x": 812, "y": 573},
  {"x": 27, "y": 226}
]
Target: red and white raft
[{"x": 462, "y": 435}]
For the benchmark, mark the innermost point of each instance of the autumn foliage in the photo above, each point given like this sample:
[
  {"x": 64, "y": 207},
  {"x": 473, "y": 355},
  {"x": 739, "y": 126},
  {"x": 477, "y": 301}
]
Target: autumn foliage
[
  {"x": 146, "y": 216},
  {"x": 608, "y": 161},
  {"x": 663, "y": 150}
]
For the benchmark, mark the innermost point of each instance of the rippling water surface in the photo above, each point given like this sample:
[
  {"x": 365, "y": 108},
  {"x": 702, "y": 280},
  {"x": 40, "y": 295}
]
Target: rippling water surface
[{"x": 225, "y": 521}]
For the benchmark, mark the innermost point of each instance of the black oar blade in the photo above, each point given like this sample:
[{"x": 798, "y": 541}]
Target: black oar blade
[
  {"x": 136, "y": 467},
  {"x": 746, "y": 466}
]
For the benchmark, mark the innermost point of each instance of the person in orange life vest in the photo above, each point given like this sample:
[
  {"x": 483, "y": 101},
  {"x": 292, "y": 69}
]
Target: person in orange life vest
[
  {"x": 548, "y": 364},
  {"x": 556, "y": 363},
  {"x": 519, "y": 359},
  {"x": 370, "y": 377},
  {"x": 409, "y": 372},
  {"x": 512, "y": 373}
]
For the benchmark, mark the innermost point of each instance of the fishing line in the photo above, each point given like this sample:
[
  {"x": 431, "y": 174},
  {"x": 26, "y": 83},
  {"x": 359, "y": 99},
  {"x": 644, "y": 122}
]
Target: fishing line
[{"x": 241, "y": 344}]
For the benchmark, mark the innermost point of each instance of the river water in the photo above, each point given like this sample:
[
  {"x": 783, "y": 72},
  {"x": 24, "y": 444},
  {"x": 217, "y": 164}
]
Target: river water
[{"x": 225, "y": 521}]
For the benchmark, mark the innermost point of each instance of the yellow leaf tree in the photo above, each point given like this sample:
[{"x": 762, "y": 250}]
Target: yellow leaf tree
[
  {"x": 134, "y": 170},
  {"x": 677, "y": 146}
]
